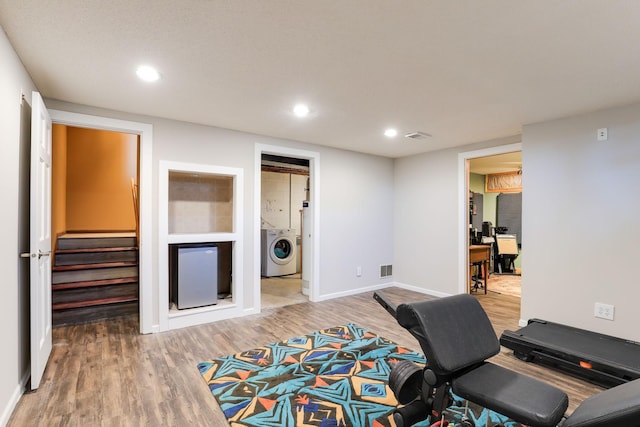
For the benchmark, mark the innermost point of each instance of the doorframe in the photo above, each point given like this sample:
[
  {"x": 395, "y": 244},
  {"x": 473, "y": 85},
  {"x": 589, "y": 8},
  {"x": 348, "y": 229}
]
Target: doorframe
[
  {"x": 314, "y": 186},
  {"x": 145, "y": 132},
  {"x": 463, "y": 205}
]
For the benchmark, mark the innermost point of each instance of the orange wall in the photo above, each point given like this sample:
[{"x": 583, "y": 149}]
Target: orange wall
[
  {"x": 100, "y": 165},
  {"x": 59, "y": 181}
]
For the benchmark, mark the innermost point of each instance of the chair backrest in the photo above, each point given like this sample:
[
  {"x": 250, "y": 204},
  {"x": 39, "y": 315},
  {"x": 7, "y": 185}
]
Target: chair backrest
[
  {"x": 454, "y": 332},
  {"x": 507, "y": 244}
]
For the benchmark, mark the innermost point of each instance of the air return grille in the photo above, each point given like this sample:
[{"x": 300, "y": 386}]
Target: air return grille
[
  {"x": 386, "y": 270},
  {"x": 417, "y": 135}
]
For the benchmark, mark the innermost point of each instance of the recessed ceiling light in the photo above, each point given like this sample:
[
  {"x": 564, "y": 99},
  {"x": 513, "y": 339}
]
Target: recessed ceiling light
[
  {"x": 390, "y": 132},
  {"x": 148, "y": 74},
  {"x": 301, "y": 110}
]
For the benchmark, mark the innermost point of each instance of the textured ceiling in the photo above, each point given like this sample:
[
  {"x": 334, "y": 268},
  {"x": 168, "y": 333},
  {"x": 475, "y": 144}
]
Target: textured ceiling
[{"x": 462, "y": 71}]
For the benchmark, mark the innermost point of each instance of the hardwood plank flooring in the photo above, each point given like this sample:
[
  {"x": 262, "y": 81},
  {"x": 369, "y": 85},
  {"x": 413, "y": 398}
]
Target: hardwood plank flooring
[{"x": 107, "y": 374}]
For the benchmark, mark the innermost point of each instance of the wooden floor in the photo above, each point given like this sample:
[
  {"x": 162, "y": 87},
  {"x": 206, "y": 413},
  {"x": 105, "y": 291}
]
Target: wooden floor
[{"x": 107, "y": 374}]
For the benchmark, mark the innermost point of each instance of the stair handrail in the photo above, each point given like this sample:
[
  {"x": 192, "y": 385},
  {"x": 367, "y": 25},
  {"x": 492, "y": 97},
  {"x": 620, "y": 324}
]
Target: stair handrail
[{"x": 134, "y": 194}]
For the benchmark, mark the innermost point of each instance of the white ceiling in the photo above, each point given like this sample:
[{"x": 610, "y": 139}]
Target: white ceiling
[{"x": 462, "y": 71}]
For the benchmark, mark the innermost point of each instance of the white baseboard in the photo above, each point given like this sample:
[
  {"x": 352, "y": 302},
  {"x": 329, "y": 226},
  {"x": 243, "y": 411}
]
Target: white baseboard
[
  {"x": 422, "y": 290},
  {"x": 13, "y": 401},
  {"x": 382, "y": 286},
  {"x": 352, "y": 292}
]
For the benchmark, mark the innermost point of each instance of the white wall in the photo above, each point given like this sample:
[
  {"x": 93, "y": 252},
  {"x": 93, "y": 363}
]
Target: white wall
[
  {"x": 426, "y": 221},
  {"x": 581, "y": 213},
  {"x": 581, "y": 226},
  {"x": 356, "y": 194},
  {"x": 356, "y": 202},
  {"x": 355, "y": 220},
  {"x": 426, "y": 218},
  {"x": 14, "y": 80}
]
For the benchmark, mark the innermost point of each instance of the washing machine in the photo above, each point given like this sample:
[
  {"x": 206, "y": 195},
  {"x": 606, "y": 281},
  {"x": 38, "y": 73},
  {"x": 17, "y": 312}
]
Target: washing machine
[{"x": 278, "y": 252}]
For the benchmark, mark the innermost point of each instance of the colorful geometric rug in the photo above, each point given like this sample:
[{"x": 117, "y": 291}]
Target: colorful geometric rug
[{"x": 337, "y": 377}]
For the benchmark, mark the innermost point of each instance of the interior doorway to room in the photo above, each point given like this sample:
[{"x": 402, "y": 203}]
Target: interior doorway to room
[
  {"x": 95, "y": 223},
  {"x": 495, "y": 224},
  {"x": 284, "y": 214}
]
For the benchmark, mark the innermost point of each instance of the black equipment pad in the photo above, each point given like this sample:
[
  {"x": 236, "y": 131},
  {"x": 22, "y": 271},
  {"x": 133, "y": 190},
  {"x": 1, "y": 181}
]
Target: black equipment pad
[
  {"x": 602, "y": 359},
  {"x": 517, "y": 396}
]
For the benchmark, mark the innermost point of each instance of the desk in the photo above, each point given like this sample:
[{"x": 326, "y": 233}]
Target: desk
[{"x": 480, "y": 254}]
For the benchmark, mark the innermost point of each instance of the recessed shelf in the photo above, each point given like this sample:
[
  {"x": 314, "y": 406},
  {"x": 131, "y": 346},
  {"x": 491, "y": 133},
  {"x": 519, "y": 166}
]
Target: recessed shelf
[{"x": 200, "y": 202}]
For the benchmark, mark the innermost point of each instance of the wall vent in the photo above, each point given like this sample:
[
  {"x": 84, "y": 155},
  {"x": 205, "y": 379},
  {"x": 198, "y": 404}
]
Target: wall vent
[
  {"x": 386, "y": 270},
  {"x": 417, "y": 135}
]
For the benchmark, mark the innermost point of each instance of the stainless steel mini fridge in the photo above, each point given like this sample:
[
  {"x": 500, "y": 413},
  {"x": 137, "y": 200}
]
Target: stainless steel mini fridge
[{"x": 197, "y": 275}]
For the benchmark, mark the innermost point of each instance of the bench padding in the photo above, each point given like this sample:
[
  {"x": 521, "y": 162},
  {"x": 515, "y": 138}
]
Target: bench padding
[
  {"x": 454, "y": 332},
  {"x": 509, "y": 393}
]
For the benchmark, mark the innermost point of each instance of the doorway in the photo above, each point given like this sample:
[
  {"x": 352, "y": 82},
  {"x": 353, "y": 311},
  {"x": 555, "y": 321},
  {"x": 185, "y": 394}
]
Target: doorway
[
  {"x": 464, "y": 206},
  {"x": 145, "y": 133},
  {"x": 285, "y": 192},
  {"x": 94, "y": 219},
  {"x": 495, "y": 221},
  {"x": 286, "y": 204}
]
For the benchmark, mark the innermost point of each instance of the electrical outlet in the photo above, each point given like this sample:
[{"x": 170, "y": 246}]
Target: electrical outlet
[
  {"x": 604, "y": 311},
  {"x": 602, "y": 134},
  {"x": 358, "y": 271}
]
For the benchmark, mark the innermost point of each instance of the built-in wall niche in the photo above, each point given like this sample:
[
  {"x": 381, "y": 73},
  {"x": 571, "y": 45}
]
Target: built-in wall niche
[{"x": 200, "y": 203}]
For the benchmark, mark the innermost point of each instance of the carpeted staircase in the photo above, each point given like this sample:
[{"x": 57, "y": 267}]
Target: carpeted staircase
[{"x": 95, "y": 276}]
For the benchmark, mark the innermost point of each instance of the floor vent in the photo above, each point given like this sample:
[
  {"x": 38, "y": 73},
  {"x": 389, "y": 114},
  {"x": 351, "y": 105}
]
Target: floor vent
[{"x": 386, "y": 270}]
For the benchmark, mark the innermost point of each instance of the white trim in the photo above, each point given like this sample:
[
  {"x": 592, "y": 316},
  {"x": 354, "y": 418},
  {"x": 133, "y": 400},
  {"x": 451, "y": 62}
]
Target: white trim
[
  {"x": 314, "y": 178},
  {"x": 145, "y": 131},
  {"x": 200, "y": 238},
  {"x": 13, "y": 402},
  {"x": 463, "y": 207},
  {"x": 357, "y": 291},
  {"x": 196, "y": 316},
  {"x": 422, "y": 290}
]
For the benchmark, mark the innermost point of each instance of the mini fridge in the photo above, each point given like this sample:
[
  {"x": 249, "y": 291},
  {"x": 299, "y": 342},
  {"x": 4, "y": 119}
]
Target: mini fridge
[{"x": 194, "y": 275}]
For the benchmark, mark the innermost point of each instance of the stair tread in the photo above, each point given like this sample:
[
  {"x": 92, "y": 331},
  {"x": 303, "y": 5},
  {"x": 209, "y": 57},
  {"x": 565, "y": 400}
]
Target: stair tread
[
  {"x": 97, "y": 234},
  {"x": 91, "y": 283},
  {"x": 92, "y": 250},
  {"x": 88, "y": 303},
  {"x": 74, "y": 267}
]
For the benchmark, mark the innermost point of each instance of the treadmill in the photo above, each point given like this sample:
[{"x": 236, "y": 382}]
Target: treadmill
[{"x": 601, "y": 359}]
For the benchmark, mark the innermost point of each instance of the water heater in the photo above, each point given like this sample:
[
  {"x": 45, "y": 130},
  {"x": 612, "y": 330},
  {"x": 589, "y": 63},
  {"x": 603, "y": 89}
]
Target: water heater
[{"x": 307, "y": 227}]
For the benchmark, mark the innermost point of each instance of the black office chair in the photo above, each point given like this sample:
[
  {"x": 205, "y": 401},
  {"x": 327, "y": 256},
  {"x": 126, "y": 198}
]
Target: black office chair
[
  {"x": 456, "y": 337},
  {"x": 476, "y": 277}
]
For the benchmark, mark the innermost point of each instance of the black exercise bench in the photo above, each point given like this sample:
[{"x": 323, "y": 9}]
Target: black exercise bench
[{"x": 456, "y": 337}]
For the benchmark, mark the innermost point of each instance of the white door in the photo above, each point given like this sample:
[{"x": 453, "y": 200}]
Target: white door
[{"x": 40, "y": 239}]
